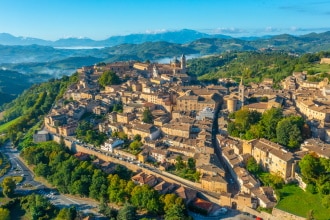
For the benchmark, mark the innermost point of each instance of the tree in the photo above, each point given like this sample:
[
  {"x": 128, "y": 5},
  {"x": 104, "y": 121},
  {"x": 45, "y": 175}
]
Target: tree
[
  {"x": 118, "y": 107},
  {"x": 85, "y": 131},
  {"x": 288, "y": 132},
  {"x": 232, "y": 130},
  {"x": 269, "y": 121},
  {"x": 242, "y": 119},
  {"x": 122, "y": 135},
  {"x": 252, "y": 165},
  {"x": 137, "y": 137},
  {"x": 4, "y": 214},
  {"x": 106, "y": 210},
  {"x": 175, "y": 212},
  {"x": 135, "y": 145},
  {"x": 123, "y": 172},
  {"x": 67, "y": 214},
  {"x": 8, "y": 186},
  {"x": 191, "y": 164},
  {"x": 179, "y": 163},
  {"x": 98, "y": 188},
  {"x": 145, "y": 198},
  {"x": 264, "y": 99},
  {"x": 109, "y": 78},
  {"x": 147, "y": 116},
  {"x": 310, "y": 168},
  {"x": 255, "y": 131},
  {"x": 170, "y": 200},
  {"x": 272, "y": 180},
  {"x": 38, "y": 207},
  {"x": 127, "y": 212},
  {"x": 42, "y": 169}
]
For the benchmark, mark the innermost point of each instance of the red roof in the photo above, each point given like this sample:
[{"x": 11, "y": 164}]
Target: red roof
[{"x": 203, "y": 204}]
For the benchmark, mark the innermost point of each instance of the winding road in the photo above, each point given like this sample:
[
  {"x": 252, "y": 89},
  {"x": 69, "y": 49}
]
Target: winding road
[{"x": 29, "y": 185}]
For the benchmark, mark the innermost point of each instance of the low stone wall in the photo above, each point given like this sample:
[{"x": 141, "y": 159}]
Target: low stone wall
[
  {"x": 263, "y": 215},
  {"x": 78, "y": 148},
  {"x": 135, "y": 168},
  {"x": 280, "y": 214}
]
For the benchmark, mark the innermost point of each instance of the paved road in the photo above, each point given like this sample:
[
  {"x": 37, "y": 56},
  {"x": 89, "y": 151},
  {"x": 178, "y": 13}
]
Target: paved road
[
  {"x": 232, "y": 186},
  {"x": 29, "y": 185}
]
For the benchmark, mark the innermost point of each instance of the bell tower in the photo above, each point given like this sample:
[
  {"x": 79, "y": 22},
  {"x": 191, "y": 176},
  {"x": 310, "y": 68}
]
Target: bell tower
[
  {"x": 241, "y": 94},
  {"x": 183, "y": 63}
]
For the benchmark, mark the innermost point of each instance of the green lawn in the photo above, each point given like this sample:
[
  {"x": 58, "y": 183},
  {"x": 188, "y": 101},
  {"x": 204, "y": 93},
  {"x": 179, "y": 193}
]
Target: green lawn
[
  {"x": 296, "y": 201},
  {"x": 5, "y": 126},
  {"x": 321, "y": 68}
]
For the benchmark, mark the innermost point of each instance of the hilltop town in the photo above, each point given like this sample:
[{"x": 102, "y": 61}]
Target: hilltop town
[{"x": 175, "y": 123}]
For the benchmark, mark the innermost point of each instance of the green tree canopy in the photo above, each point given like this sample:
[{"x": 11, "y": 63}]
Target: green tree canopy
[
  {"x": 106, "y": 210},
  {"x": 135, "y": 145},
  {"x": 175, "y": 212},
  {"x": 8, "y": 186},
  {"x": 99, "y": 186},
  {"x": 288, "y": 133},
  {"x": 109, "y": 78},
  {"x": 170, "y": 200},
  {"x": 252, "y": 165},
  {"x": 85, "y": 131},
  {"x": 244, "y": 121},
  {"x": 244, "y": 118},
  {"x": 67, "y": 214},
  {"x": 191, "y": 163},
  {"x": 146, "y": 198},
  {"x": 38, "y": 207},
  {"x": 118, "y": 107},
  {"x": 137, "y": 137},
  {"x": 4, "y": 214},
  {"x": 127, "y": 212},
  {"x": 315, "y": 172},
  {"x": 147, "y": 116},
  {"x": 179, "y": 164},
  {"x": 269, "y": 121}
]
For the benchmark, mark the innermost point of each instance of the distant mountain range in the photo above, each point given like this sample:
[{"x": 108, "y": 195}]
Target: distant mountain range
[
  {"x": 24, "y": 61},
  {"x": 41, "y": 59},
  {"x": 180, "y": 37}
]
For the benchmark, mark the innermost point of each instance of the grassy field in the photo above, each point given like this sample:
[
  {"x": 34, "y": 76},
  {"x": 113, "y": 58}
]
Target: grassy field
[
  {"x": 296, "y": 201},
  {"x": 4, "y": 127},
  {"x": 319, "y": 68}
]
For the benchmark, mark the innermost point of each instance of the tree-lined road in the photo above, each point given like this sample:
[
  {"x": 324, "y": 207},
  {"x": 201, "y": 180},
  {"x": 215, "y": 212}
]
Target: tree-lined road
[{"x": 29, "y": 185}]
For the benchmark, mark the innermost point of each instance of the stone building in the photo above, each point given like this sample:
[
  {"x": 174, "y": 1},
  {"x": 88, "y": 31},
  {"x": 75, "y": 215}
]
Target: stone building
[{"x": 272, "y": 157}]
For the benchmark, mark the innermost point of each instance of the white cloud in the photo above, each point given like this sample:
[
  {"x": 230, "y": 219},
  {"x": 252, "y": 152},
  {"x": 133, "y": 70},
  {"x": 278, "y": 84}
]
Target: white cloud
[
  {"x": 156, "y": 31},
  {"x": 226, "y": 30}
]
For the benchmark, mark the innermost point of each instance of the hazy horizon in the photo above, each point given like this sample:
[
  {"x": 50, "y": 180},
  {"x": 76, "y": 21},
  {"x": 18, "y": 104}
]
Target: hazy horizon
[
  {"x": 248, "y": 34},
  {"x": 52, "y": 20}
]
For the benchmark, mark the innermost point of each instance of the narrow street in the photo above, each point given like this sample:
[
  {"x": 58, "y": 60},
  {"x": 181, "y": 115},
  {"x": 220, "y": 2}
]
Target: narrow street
[{"x": 232, "y": 185}]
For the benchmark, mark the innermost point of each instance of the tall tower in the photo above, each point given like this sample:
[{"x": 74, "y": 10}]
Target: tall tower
[
  {"x": 241, "y": 92},
  {"x": 183, "y": 63},
  {"x": 155, "y": 72}
]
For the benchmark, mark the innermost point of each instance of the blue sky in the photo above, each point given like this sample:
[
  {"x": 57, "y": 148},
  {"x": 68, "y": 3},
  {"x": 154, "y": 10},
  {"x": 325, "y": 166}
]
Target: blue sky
[{"x": 99, "y": 19}]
